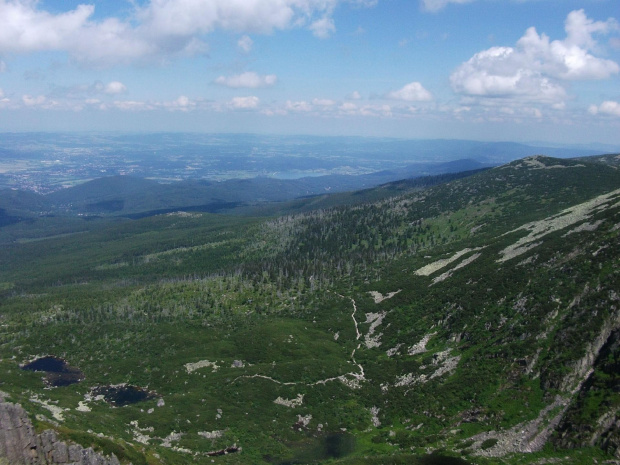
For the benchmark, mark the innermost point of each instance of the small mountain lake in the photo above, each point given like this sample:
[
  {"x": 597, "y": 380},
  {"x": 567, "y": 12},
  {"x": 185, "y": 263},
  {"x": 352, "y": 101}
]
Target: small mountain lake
[
  {"x": 57, "y": 371},
  {"x": 122, "y": 395}
]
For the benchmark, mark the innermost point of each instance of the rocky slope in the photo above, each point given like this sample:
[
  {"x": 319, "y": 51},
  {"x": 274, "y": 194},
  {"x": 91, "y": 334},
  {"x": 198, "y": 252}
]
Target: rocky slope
[{"x": 20, "y": 445}]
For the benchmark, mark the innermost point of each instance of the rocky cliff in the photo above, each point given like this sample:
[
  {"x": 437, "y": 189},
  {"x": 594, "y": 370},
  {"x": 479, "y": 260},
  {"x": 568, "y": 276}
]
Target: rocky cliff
[{"x": 20, "y": 445}]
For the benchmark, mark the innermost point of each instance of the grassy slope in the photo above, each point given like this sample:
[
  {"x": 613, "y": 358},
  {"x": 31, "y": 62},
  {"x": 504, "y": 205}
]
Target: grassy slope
[{"x": 136, "y": 301}]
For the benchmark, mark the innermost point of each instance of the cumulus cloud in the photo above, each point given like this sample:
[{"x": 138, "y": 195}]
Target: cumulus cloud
[
  {"x": 537, "y": 66},
  {"x": 244, "y": 103},
  {"x": 25, "y": 28},
  {"x": 39, "y": 101},
  {"x": 245, "y": 44},
  {"x": 609, "y": 107},
  {"x": 299, "y": 106},
  {"x": 115, "y": 87},
  {"x": 323, "y": 28},
  {"x": 182, "y": 103},
  {"x": 249, "y": 80},
  {"x": 412, "y": 92},
  {"x": 155, "y": 28}
]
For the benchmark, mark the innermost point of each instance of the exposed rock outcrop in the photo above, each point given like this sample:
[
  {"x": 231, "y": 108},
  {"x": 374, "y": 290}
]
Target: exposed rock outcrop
[
  {"x": 593, "y": 419},
  {"x": 20, "y": 445}
]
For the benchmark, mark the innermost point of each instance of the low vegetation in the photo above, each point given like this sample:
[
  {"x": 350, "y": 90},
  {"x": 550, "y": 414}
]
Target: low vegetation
[{"x": 379, "y": 332}]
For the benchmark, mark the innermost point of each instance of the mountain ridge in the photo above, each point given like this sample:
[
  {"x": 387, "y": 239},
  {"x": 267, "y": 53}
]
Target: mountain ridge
[{"x": 476, "y": 318}]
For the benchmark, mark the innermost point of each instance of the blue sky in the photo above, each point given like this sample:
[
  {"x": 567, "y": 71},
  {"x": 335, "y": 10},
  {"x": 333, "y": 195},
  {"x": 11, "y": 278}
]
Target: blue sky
[{"x": 522, "y": 70}]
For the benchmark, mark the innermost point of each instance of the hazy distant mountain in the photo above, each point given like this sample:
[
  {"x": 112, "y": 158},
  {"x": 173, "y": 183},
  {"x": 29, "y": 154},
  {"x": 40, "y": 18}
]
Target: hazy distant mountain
[{"x": 131, "y": 195}]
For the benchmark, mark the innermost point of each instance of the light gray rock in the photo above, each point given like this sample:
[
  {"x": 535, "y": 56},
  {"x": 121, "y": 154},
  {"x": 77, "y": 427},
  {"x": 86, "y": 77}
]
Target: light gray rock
[{"x": 20, "y": 445}]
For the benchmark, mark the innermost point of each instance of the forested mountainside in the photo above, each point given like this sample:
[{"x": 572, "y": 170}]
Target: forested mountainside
[
  {"x": 135, "y": 197},
  {"x": 476, "y": 320}
]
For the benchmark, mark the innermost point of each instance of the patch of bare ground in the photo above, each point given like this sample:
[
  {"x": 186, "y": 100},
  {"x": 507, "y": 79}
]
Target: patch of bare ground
[
  {"x": 568, "y": 217},
  {"x": 585, "y": 227},
  {"x": 190, "y": 367},
  {"x": 374, "y": 412},
  {"x": 420, "y": 347},
  {"x": 375, "y": 319},
  {"x": 291, "y": 403},
  {"x": 535, "y": 163},
  {"x": 525, "y": 437},
  {"x": 444, "y": 363},
  {"x": 378, "y": 297},
  {"x": 431, "y": 268},
  {"x": 447, "y": 274}
]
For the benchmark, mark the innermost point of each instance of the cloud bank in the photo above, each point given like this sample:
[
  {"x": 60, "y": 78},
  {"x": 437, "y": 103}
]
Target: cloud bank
[
  {"x": 537, "y": 68},
  {"x": 248, "y": 80},
  {"x": 608, "y": 107},
  {"x": 157, "y": 28}
]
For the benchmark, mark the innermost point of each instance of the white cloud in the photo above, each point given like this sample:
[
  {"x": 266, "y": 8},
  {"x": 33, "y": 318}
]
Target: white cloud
[
  {"x": 25, "y": 28},
  {"x": 352, "y": 109},
  {"x": 323, "y": 28},
  {"x": 245, "y": 44},
  {"x": 115, "y": 87},
  {"x": 39, "y": 101},
  {"x": 609, "y": 107},
  {"x": 536, "y": 67},
  {"x": 569, "y": 58},
  {"x": 244, "y": 103},
  {"x": 155, "y": 29},
  {"x": 499, "y": 72},
  {"x": 300, "y": 106},
  {"x": 2, "y": 66},
  {"x": 348, "y": 108},
  {"x": 436, "y": 5},
  {"x": 179, "y": 18},
  {"x": 31, "y": 101},
  {"x": 579, "y": 29},
  {"x": 323, "y": 102},
  {"x": 182, "y": 103},
  {"x": 248, "y": 79},
  {"x": 412, "y": 92},
  {"x": 133, "y": 105},
  {"x": 355, "y": 95}
]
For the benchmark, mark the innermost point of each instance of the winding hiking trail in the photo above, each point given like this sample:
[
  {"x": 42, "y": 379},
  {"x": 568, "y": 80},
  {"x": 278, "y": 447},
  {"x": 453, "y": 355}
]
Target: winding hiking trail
[
  {"x": 358, "y": 336},
  {"x": 356, "y": 378}
]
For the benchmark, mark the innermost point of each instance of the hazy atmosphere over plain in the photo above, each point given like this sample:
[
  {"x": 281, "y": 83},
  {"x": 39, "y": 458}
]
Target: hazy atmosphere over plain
[{"x": 544, "y": 70}]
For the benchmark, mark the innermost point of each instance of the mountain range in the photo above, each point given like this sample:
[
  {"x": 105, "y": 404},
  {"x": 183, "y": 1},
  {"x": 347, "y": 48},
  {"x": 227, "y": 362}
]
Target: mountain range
[{"x": 471, "y": 319}]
